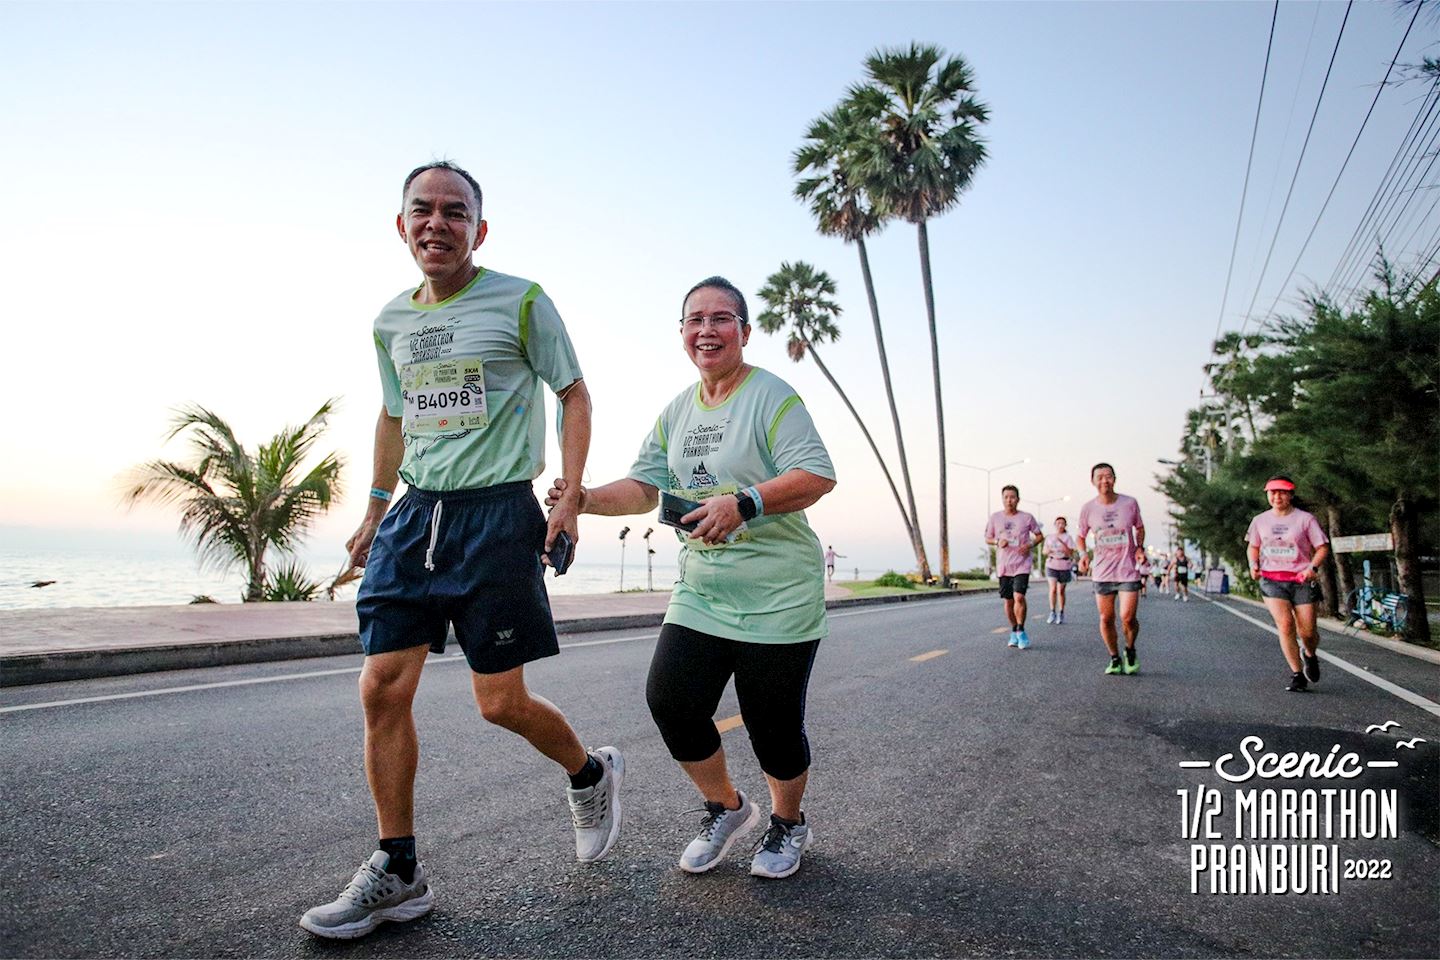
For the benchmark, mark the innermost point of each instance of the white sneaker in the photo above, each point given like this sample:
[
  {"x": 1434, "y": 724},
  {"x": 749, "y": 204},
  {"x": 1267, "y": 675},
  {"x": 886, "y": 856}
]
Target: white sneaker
[
  {"x": 1050, "y": 617},
  {"x": 596, "y": 810},
  {"x": 718, "y": 833},
  {"x": 372, "y": 897},
  {"x": 779, "y": 852}
]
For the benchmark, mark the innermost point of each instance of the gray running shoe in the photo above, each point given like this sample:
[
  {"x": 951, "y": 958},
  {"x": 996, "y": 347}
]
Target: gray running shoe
[
  {"x": 1311, "y": 664},
  {"x": 596, "y": 810},
  {"x": 779, "y": 852},
  {"x": 373, "y": 897},
  {"x": 718, "y": 832}
]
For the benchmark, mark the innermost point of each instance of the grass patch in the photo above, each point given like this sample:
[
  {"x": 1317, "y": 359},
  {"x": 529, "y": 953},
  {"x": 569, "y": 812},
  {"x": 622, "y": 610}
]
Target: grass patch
[{"x": 870, "y": 588}]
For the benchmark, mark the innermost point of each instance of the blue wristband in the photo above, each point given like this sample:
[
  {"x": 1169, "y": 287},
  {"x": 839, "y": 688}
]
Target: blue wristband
[
  {"x": 754, "y": 493},
  {"x": 379, "y": 494}
]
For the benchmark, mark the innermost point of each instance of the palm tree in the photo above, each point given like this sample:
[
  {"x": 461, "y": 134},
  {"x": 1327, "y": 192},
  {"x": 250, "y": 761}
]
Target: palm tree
[
  {"x": 798, "y": 296},
  {"x": 842, "y": 209},
  {"x": 237, "y": 504},
  {"x": 917, "y": 158}
]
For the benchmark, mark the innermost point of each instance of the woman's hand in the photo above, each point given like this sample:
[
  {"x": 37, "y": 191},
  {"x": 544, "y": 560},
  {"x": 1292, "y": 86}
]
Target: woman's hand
[
  {"x": 718, "y": 517},
  {"x": 556, "y": 493}
]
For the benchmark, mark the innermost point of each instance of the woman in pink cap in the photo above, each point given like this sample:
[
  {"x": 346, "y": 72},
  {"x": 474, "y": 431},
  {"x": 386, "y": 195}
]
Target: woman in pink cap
[{"x": 1286, "y": 549}]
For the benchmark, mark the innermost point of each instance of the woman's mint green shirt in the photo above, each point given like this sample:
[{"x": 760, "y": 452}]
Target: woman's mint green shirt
[{"x": 767, "y": 585}]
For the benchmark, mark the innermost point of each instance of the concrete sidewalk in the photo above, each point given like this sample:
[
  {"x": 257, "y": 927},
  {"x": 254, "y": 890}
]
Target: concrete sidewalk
[{"x": 76, "y": 643}]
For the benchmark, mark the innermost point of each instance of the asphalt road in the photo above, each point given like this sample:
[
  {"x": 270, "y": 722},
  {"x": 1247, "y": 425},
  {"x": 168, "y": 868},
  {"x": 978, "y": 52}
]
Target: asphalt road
[{"x": 980, "y": 802}]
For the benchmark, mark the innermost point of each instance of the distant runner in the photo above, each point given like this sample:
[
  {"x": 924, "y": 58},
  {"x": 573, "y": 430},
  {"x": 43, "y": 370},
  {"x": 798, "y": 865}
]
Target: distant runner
[
  {"x": 1059, "y": 568},
  {"x": 1286, "y": 550},
  {"x": 1180, "y": 575},
  {"x": 1013, "y": 533},
  {"x": 1119, "y": 546}
]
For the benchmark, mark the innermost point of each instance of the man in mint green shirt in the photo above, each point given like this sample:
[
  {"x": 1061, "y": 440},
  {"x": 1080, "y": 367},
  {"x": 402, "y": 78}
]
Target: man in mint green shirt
[{"x": 462, "y": 358}]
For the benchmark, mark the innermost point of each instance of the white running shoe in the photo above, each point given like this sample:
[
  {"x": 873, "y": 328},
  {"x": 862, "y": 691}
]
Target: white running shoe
[
  {"x": 372, "y": 897},
  {"x": 596, "y": 810},
  {"x": 779, "y": 852},
  {"x": 718, "y": 833}
]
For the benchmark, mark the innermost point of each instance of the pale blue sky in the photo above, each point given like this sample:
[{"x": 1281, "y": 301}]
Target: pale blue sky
[{"x": 204, "y": 196}]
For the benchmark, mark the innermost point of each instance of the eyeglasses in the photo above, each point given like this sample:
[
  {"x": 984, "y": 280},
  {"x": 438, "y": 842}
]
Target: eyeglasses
[{"x": 716, "y": 321}]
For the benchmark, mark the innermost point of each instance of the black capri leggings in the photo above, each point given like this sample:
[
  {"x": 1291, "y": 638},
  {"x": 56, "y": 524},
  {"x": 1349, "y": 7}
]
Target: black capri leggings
[{"x": 688, "y": 674}]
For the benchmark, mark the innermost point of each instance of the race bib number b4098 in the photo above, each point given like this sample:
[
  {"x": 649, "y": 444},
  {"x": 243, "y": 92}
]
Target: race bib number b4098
[{"x": 444, "y": 396}]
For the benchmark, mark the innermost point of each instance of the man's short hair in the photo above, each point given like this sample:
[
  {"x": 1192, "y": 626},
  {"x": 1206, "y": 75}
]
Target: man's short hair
[
  {"x": 1062, "y": 520},
  {"x": 1101, "y": 466},
  {"x": 453, "y": 168},
  {"x": 720, "y": 283},
  {"x": 1010, "y": 486}
]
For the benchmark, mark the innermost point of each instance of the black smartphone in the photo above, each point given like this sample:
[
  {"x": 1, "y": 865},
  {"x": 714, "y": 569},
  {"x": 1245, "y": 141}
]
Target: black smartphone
[
  {"x": 562, "y": 551},
  {"x": 672, "y": 508}
]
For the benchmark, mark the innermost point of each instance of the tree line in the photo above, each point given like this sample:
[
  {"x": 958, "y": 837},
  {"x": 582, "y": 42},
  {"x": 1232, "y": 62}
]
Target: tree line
[{"x": 1343, "y": 401}]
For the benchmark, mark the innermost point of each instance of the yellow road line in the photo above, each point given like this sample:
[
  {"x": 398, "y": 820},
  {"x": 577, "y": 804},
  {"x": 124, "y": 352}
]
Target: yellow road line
[
  {"x": 929, "y": 656},
  {"x": 729, "y": 723},
  {"x": 1002, "y": 630}
]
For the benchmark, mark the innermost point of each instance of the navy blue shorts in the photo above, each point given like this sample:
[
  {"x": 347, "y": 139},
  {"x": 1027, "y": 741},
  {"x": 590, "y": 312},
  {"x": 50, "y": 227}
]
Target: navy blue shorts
[{"x": 465, "y": 557}]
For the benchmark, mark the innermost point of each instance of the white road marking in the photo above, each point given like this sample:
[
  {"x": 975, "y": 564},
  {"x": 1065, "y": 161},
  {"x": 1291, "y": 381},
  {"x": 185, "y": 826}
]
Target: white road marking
[
  {"x": 1408, "y": 696},
  {"x": 453, "y": 658}
]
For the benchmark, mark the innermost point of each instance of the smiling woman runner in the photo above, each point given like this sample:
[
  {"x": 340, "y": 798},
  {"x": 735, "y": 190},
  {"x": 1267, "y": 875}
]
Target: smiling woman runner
[
  {"x": 750, "y": 601},
  {"x": 1286, "y": 549}
]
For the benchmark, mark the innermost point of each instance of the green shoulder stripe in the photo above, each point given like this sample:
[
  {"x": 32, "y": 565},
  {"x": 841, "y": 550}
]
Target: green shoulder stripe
[
  {"x": 780, "y": 415},
  {"x": 660, "y": 429},
  {"x": 525, "y": 303}
]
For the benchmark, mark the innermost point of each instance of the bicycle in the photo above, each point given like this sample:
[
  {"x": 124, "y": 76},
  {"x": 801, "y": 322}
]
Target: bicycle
[{"x": 1371, "y": 609}]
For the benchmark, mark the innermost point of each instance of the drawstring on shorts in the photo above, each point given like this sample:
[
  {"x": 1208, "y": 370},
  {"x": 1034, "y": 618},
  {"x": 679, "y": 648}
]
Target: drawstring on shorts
[{"x": 434, "y": 535}]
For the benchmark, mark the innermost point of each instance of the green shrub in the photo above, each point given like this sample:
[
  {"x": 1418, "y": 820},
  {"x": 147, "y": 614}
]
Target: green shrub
[
  {"x": 892, "y": 579},
  {"x": 291, "y": 582}
]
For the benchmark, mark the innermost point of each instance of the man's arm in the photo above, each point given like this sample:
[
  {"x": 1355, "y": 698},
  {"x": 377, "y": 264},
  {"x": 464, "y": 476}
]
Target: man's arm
[
  {"x": 1139, "y": 542},
  {"x": 574, "y": 450},
  {"x": 389, "y": 452}
]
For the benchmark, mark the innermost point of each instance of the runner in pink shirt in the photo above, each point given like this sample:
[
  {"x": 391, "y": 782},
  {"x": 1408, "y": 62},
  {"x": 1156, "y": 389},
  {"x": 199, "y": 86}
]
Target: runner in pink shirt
[
  {"x": 1286, "y": 550},
  {"x": 1014, "y": 534},
  {"x": 1119, "y": 546},
  {"x": 1059, "y": 568}
]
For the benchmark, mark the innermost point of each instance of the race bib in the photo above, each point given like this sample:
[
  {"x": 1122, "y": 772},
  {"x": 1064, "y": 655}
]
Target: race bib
[
  {"x": 444, "y": 396},
  {"x": 1280, "y": 552},
  {"x": 1110, "y": 540}
]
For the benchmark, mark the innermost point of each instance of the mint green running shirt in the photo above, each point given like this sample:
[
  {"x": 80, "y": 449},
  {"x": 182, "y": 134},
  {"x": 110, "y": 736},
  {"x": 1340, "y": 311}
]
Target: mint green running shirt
[
  {"x": 767, "y": 585},
  {"x": 464, "y": 377}
]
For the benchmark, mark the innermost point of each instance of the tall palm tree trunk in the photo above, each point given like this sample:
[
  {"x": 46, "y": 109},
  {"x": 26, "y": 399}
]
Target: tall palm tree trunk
[
  {"x": 939, "y": 402},
  {"x": 917, "y": 538},
  {"x": 868, "y": 439}
]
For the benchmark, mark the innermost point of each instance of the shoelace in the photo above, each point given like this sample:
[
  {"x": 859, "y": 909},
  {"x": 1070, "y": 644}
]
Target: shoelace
[
  {"x": 712, "y": 818},
  {"x": 774, "y": 838},
  {"x": 587, "y": 813},
  {"x": 368, "y": 886}
]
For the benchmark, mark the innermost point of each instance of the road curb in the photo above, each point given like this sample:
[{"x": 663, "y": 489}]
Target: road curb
[
  {"x": 1333, "y": 626},
  {"x": 26, "y": 669}
]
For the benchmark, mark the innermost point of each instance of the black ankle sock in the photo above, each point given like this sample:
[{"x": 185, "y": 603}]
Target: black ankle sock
[
  {"x": 588, "y": 776},
  {"x": 402, "y": 857},
  {"x": 776, "y": 818}
]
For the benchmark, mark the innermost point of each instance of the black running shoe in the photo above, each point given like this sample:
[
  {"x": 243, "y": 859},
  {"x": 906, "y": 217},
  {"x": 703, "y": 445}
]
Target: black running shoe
[
  {"x": 1312, "y": 666},
  {"x": 1297, "y": 683}
]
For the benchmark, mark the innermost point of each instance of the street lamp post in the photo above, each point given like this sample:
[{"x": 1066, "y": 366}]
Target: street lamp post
[
  {"x": 649, "y": 562},
  {"x": 623, "y": 532},
  {"x": 989, "y": 555}
]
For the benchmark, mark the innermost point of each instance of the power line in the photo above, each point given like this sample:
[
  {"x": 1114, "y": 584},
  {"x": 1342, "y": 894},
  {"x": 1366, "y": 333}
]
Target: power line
[
  {"x": 1284, "y": 284},
  {"x": 1403, "y": 188},
  {"x": 1423, "y": 117},
  {"x": 1244, "y": 190},
  {"x": 1289, "y": 193}
]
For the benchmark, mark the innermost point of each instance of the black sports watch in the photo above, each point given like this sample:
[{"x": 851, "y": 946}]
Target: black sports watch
[{"x": 747, "y": 505}]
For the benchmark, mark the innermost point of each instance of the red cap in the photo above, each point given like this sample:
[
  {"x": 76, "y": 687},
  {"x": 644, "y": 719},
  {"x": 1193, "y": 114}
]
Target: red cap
[{"x": 1279, "y": 485}]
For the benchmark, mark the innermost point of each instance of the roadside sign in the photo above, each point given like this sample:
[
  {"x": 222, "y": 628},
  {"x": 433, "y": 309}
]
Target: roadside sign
[{"x": 1365, "y": 543}]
